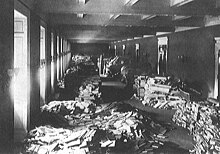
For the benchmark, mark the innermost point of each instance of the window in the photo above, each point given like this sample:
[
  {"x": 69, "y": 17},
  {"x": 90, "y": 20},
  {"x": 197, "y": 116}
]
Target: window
[
  {"x": 42, "y": 65},
  {"x": 58, "y": 60}
]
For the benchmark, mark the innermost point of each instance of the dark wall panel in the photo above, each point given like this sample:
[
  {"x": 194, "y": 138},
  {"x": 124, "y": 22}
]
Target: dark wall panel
[
  {"x": 6, "y": 74},
  {"x": 148, "y": 52},
  {"x": 35, "y": 65},
  {"x": 198, "y": 64},
  {"x": 195, "y": 46}
]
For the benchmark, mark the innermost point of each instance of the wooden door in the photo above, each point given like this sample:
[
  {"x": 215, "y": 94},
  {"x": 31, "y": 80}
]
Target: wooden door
[{"x": 20, "y": 79}]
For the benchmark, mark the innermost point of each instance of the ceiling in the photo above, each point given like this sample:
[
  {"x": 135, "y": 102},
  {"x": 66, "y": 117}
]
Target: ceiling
[{"x": 104, "y": 21}]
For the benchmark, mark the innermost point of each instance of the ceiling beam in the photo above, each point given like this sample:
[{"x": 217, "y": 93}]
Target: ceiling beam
[
  {"x": 97, "y": 23},
  {"x": 67, "y": 28},
  {"x": 89, "y": 40},
  {"x": 95, "y": 39},
  {"x": 116, "y": 7},
  {"x": 100, "y": 20},
  {"x": 113, "y": 35},
  {"x": 57, "y": 19},
  {"x": 190, "y": 22},
  {"x": 111, "y": 31},
  {"x": 78, "y": 34}
]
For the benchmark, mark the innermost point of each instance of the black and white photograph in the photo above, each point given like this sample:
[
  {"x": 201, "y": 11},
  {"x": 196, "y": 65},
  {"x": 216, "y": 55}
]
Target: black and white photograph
[{"x": 109, "y": 77}]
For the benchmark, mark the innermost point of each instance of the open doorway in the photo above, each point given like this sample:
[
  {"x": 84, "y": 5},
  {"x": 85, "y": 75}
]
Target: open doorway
[
  {"x": 162, "y": 55},
  {"x": 58, "y": 58},
  {"x": 52, "y": 63},
  {"x": 42, "y": 66},
  {"x": 137, "y": 52},
  {"x": 123, "y": 50},
  {"x": 21, "y": 77},
  {"x": 217, "y": 67},
  {"x": 61, "y": 57},
  {"x": 116, "y": 53}
]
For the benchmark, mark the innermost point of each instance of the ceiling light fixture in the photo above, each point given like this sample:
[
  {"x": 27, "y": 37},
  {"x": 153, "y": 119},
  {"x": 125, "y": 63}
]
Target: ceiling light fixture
[
  {"x": 178, "y": 3},
  {"x": 162, "y": 33},
  {"x": 114, "y": 16},
  {"x": 111, "y": 15},
  {"x": 147, "y": 17},
  {"x": 82, "y": 1},
  {"x": 179, "y": 29},
  {"x": 80, "y": 15},
  {"x": 130, "y": 2},
  {"x": 137, "y": 38},
  {"x": 144, "y": 36},
  {"x": 180, "y": 17}
]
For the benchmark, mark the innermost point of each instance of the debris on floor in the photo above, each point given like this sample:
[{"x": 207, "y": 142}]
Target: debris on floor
[
  {"x": 69, "y": 107},
  {"x": 202, "y": 120},
  {"x": 89, "y": 89},
  {"x": 77, "y": 59},
  {"x": 64, "y": 113},
  {"x": 112, "y": 127},
  {"x": 158, "y": 92},
  {"x": 85, "y": 125}
]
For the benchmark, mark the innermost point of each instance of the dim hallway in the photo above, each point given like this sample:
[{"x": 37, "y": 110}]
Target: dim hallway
[{"x": 69, "y": 67}]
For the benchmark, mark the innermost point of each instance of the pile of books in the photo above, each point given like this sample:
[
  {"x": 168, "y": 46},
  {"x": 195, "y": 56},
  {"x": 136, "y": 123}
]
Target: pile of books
[
  {"x": 202, "y": 120},
  {"x": 71, "y": 107},
  {"x": 90, "y": 89},
  {"x": 105, "y": 129},
  {"x": 157, "y": 92}
]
